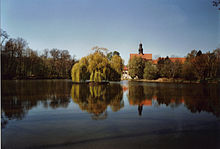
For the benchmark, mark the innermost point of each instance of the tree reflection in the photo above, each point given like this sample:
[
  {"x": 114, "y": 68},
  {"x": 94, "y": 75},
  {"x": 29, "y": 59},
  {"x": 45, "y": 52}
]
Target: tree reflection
[
  {"x": 96, "y": 99},
  {"x": 205, "y": 98},
  {"x": 18, "y": 97},
  {"x": 195, "y": 97}
]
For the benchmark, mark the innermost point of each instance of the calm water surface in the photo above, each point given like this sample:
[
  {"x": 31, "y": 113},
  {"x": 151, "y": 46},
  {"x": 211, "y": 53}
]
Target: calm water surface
[{"x": 57, "y": 114}]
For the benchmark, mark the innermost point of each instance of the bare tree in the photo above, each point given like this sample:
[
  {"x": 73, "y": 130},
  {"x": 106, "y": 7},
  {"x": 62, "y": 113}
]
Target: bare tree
[
  {"x": 100, "y": 49},
  {"x": 216, "y": 3},
  {"x": 3, "y": 36}
]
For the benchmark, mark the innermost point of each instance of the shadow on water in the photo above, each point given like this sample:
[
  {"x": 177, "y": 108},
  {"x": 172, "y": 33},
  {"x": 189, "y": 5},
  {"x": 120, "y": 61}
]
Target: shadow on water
[
  {"x": 195, "y": 97},
  {"x": 18, "y": 97},
  {"x": 96, "y": 99}
]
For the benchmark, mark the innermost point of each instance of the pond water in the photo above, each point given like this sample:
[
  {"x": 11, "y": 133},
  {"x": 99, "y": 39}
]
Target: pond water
[{"x": 58, "y": 114}]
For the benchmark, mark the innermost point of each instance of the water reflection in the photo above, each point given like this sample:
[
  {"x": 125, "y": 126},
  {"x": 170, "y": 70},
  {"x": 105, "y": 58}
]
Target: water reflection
[
  {"x": 165, "y": 111},
  {"x": 96, "y": 99},
  {"x": 195, "y": 97},
  {"x": 18, "y": 97}
]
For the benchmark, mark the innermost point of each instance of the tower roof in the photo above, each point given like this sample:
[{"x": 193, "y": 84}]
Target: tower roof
[{"x": 140, "y": 50}]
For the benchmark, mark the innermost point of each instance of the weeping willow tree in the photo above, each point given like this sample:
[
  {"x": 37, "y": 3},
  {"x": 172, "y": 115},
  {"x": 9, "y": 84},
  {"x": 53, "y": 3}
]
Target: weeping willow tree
[
  {"x": 96, "y": 67},
  {"x": 75, "y": 73},
  {"x": 79, "y": 71}
]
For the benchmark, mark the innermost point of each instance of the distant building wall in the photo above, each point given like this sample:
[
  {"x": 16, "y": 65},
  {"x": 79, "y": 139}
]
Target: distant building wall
[{"x": 125, "y": 75}]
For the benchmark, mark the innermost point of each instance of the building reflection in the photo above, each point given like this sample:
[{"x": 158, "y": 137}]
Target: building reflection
[
  {"x": 196, "y": 98},
  {"x": 96, "y": 99},
  {"x": 18, "y": 97},
  {"x": 137, "y": 96}
]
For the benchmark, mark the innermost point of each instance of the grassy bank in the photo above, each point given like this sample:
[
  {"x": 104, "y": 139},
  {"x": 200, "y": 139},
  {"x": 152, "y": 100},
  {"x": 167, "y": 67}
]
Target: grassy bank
[{"x": 171, "y": 80}]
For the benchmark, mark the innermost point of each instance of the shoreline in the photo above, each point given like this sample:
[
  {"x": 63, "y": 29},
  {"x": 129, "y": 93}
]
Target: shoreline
[
  {"x": 160, "y": 80},
  {"x": 39, "y": 79},
  {"x": 178, "y": 81}
]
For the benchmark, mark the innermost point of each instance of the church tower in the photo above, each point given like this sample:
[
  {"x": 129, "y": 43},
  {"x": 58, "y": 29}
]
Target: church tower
[{"x": 140, "y": 49}]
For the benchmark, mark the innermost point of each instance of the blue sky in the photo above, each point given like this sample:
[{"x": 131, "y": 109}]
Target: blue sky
[{"x": 165, "y": 27}]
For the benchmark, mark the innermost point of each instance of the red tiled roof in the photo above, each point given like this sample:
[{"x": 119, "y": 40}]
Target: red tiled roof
[
  {"x": 181, "y": 59},
  {"x": 144, "y": 56},
  {"x": 154, "y": 61},
  {"x": 173, "y": 59},
  {"x": 125, "y": 68}
]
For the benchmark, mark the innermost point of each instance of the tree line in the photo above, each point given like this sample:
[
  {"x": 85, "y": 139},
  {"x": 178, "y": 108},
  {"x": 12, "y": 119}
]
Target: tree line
[
  {"x": 98, "y": 66},
  {"x": 21, "y": 62},
  {"x": 197, "y": 66}
]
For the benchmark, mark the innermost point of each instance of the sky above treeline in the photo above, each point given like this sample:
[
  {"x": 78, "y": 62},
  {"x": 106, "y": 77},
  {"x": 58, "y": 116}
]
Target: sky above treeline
[{"x": 165, "y": 27}]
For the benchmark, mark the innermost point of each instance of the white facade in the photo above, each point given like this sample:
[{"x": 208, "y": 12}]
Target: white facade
[{"x": 125, "y": 75}]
